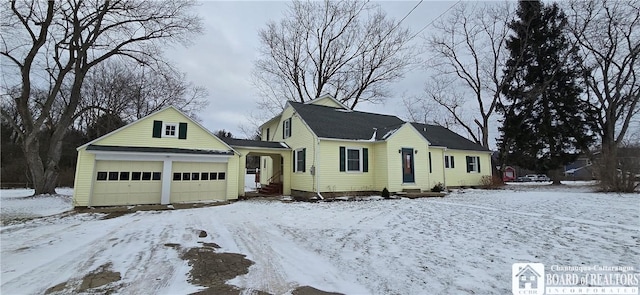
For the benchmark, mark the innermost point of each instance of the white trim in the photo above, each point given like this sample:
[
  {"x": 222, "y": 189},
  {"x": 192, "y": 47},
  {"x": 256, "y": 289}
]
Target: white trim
[
  {"x": 146, "y": 157},
  {"x": 165, "y": 192},
  {"x": 475, "y": 161},
  {"x": 295, "y": 160},
  {"x": 360, "y": 160},
  {"x": 164, "y": 130},
  {"x": 286, "y": 128}
]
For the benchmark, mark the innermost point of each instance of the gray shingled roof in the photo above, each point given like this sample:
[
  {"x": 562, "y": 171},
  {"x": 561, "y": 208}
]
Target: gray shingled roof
[
  {"x": 329, "y": 122},
  {"x": 440, "y": 136},
  {"x": 254, "y": 143},
  {"x": 94, "y": 147}
]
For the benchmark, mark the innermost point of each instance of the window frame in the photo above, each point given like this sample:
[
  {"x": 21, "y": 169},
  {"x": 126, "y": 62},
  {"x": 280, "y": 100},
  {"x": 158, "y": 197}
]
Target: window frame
[
  {"x": 146, "y": 176},
  {"x": 136, "y": 175},
  {"x": 286, "y": 126},
  {"x": 449, "y": 162},
  {"x": 175, "y": 130},
  {"x": 473, "y": 164},
  {"x": 124, "y": 176},
  {"x": 346, "y": 159},
  {"x": 111, "y": 176},
  {"x": 300, "y": 163},
  {"x": 102, "y": 176}
]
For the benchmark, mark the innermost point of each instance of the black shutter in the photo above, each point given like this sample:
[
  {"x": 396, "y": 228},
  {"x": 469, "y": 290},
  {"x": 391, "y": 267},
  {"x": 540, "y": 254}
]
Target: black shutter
[
  {"x": 468, "y": 164},
  {"x": 295, "y": 160},
  {"x": 365, "y": 160},
  {"x": 157, "y": 129},
  {"x": 453, "y": 163},
  {"x": 182, "y": 131},
  {"x": 343, "y": 158},
  {"x": 430, "y": 165},
  {"x": 304, "y": 160},
  {"x": 478, "y": 161},
  {"x": 284, "y": 134},
  {"x": 290, "y": 126}
]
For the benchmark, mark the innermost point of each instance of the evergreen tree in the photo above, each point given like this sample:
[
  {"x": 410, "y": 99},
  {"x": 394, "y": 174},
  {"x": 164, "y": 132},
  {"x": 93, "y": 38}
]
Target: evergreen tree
[{"x": 546, "y": 121}]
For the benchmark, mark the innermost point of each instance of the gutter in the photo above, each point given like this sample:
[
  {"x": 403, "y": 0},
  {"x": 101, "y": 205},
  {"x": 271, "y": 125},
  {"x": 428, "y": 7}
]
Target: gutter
[
  {"x": 444, "y": 169},
  {"x": 315, "y": 169}
]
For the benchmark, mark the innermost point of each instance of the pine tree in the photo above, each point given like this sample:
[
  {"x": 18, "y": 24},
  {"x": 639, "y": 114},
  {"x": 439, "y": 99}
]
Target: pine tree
[{"x": 546, "y": 120}]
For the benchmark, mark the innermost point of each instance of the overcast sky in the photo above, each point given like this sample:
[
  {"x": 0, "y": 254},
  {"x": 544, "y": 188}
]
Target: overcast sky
[{"x": 222, "y": 58}]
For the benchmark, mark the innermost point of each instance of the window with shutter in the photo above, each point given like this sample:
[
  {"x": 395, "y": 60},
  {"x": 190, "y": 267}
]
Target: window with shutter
[
  {"x": 473, "y": 164},
  {"x": 300, "y": 160}
]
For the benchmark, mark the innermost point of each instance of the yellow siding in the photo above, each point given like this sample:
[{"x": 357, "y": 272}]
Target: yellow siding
[
  {"x": 378, "y": 157},
  {"x": 140, "y": 134},
  {"x": 330, "y": 177},
  {"x": 459, "y": 176},
  {"x": 437, "y": 162},
  {"x": 233, "y": 167},
  {"x": 301, "y": 137},
  {"x": 273, "y": 130},
  {"x": 327, "y": 101},
  {"x": 407, "y": 137},
  {"x": 83, "y": 178}
]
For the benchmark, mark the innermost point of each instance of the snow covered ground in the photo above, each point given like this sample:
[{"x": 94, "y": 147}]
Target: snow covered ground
[
  {"x": 464, "y": 243},
  {"x": 16, "y": 204}
]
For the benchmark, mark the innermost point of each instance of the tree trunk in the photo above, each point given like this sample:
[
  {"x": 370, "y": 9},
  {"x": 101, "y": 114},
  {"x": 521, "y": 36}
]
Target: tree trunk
[
  {"x": 555, "y": 176},
  {"x": 42, "y": 182}
]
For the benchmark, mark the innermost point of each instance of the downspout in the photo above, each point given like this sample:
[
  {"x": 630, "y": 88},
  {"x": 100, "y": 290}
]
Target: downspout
[
  {"x": 315, "y": 169},
  {"x": 444, "y": 169}
]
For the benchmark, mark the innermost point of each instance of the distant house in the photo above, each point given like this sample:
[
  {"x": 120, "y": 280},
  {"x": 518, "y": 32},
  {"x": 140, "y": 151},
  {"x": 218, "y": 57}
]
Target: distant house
[
  {"x": 315, "y": 148},
  {"x": 527, "y": 278}
]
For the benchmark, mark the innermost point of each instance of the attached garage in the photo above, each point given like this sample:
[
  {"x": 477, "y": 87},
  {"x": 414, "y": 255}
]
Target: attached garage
[
  {"x": 127, "y": 183},
  {"x": 192, "y": 182}
]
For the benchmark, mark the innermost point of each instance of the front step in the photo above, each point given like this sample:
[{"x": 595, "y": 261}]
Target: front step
[{"x": 273, "y": 188}]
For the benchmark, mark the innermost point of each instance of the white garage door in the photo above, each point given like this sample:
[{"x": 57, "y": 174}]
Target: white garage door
[
  {"x": 127, "y": 183},
  {"x": 198, "y": 182}
]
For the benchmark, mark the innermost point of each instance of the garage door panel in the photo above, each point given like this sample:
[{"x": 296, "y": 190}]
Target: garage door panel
[
  {"x": 126, "y": 192},
  {"x": 197, "y": 190}
]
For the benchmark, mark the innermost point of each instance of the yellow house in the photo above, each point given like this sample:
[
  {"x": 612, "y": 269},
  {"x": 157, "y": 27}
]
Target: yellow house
[
  {"x": 319, "y": 148},
  {"x": 335, "y": 150}
]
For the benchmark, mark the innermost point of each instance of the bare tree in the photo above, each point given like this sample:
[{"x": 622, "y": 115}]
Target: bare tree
[
  {"x": 608, "y": 33},
  {"x": 348, "y": 49},
  {"x": 131, "y": 91},
  {"x": 53, "y": 45},
  {"x": 468, "y": 60}
]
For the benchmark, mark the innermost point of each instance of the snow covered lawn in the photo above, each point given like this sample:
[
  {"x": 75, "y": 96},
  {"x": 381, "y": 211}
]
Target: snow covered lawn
[
  {"x": 17, "y": 204},
  {"x": 461, "y": 244}
]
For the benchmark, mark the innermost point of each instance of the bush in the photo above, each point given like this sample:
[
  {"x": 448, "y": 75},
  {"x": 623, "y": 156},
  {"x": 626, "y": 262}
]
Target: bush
[
  {"x": 438, "y": 188},
  {"x": 490, "y": 182},
  {"x": 385, "y": 193}
]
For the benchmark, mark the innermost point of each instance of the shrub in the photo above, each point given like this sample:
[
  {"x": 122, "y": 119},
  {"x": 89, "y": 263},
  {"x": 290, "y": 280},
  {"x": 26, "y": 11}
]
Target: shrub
[
  {"x": 439, "y": 187},
  {"x": 385, "y": 193},
  {"x": 490, "y": 182}
]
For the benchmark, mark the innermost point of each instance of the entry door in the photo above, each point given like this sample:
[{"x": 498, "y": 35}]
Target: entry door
[{"x": 407, "y": 166}]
